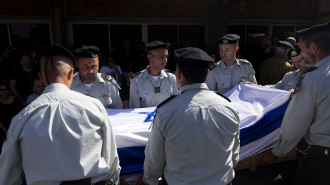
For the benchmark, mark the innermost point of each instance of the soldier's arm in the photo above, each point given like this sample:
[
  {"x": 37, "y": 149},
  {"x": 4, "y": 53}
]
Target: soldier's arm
[
  {"x": 11, "y": 162},
  {"x": 117, "y": 99},
  {"x": 210, "y": 81},
  {"x": 134, "y": 99}
]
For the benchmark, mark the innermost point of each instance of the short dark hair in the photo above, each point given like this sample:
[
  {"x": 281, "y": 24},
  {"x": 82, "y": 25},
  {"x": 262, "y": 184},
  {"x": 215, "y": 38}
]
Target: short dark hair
[
  {"x": 322, "y": 39},
  {"x": 318, "y": 34},
  {"x": 192, "y": 75}
]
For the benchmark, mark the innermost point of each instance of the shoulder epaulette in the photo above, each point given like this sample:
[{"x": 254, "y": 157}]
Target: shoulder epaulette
[
  {"x": 165, "y": 101},
  {"x": 244, "y": 61},
  {"x": 137, "y": 73},
  {"x": 109, "y": 78},
  {"x": 222, "y": 96},
  {"x": 169, "y": 71}
]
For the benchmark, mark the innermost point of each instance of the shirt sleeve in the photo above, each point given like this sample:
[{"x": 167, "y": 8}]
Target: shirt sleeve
[
  {"x": 280, "y": 84},
  {"x": 210, "y": 81},
  {"x": 236, "y": 148},
  {"x": 252, "y": 77},
  {"x": 154, "y": 162},
  {"x": 134, "y": 99},
  {"x": 11, "y": 169},
  {"x": 118, "y": 103},
  {"x": 297, "y": 118},
  {"x": 110, "y": 149}
]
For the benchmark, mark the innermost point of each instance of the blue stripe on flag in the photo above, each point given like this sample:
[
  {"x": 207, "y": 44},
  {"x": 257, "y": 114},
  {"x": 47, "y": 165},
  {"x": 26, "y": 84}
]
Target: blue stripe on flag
[
  {"x": 267, "y": 124},
  {"x": 131, "y": 159}
]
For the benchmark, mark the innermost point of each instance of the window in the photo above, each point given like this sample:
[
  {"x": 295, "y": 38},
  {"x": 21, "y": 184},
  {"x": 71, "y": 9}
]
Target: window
[
  {"x": 164, "y": 33},
  {"x": 282, "y": 32},
  {"x": 120, "y": 33},
  {"x": 192, "y": 35},
  {"x": 91, "y": 34},
  {"x": 4, "y": 38},
  {"x": 29, "y": 36}
]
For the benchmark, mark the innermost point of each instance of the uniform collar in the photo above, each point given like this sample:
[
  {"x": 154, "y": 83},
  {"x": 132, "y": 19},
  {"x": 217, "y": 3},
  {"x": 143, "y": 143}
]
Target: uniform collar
[
  {"x": 193, "y": 86},
  {"x": 55, "y": 86},
  {"x": 323, "y": 61},
  {"x": 223, "y": 65},
  {"x": 162, "y": 74},
  {"x": 77, "y": 82}
]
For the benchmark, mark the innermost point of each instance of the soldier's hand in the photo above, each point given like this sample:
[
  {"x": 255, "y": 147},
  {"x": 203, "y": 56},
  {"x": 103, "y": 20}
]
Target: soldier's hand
[{"x": 292, "y": 92}]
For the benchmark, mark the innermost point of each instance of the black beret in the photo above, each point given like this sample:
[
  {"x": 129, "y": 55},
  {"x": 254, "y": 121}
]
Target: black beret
[
  {"x": 157, "y": 44},
  {"x": 320, "y": 28},
  {"x": 193, "y": 58},
  {"x": 285, "y": 44},
  {"x": 55, "y": 50},
  {"x": 87, "y": 52},
  {"x": 294, "y": 52},
  {"x": 229, "y": 39}
]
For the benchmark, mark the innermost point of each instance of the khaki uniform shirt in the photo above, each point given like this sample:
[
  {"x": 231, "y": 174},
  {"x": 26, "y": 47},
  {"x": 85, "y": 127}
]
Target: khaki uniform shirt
[
  {"x": 143, "y": 89},
  {"x": 103, "y": 89},
  {"x": 194, "y": 139},
  {"x": 223, "y": 78},
  {"x": 61, "y": 136},
  {"x": 273, "y": 70},
  {"x": 308, "y": 114}
]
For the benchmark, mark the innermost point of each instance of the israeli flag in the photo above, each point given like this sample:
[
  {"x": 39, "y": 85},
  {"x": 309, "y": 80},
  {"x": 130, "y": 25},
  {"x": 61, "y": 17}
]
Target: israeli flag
[{"x": 261, "y": 110}]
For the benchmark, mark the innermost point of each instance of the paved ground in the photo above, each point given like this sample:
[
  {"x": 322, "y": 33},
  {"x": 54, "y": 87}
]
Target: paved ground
[{"x": 264, "y": 175}]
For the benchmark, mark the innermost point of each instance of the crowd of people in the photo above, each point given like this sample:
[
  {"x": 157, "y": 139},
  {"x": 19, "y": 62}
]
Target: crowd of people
[{"x": 53, "y": 108}]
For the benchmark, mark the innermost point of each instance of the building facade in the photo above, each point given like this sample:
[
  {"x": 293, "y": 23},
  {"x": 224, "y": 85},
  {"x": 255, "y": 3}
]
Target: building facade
[{"x": 107, "y": 23}]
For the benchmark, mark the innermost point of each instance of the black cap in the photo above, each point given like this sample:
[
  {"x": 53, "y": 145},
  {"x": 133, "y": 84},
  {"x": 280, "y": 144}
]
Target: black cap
[
  {"x": 229, "y": 39},
  {"x": 86, "y": 52},
  {"x": 55, "y": 50},
  {"x": 193, "y": 58},
  {"x": 157, "y": 44},
  {"x": 285, "y": 44},
  {"x": 294, "y": 52},
  {"x": 320, "y": 28}
]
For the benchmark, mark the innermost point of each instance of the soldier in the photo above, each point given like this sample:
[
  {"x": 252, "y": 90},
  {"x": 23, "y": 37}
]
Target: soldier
[
  {"x": 62, "y": 137},
  {"x": 308, "y": 115},
  {"x": 195, "y": 135},
  {"x": 291, "y": 79},
  {"x": 154, "y": 84},
  {"x": 89, "y": 82},
  {"x": 230, "y": 71},
  {"x": 273, "y": 69}
]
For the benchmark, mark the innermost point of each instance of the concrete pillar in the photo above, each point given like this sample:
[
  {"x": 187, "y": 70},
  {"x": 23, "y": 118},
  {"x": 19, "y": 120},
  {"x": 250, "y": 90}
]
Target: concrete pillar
[{"x": 218, "y": 22}]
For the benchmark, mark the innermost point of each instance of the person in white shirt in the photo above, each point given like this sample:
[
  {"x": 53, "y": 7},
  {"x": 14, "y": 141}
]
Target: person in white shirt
[
  {"x": 63, "y": 136},
  {"x": 89, "y": 82},
  {"x": 113, "y": 70},
  {"x": 195, "y": 135}
]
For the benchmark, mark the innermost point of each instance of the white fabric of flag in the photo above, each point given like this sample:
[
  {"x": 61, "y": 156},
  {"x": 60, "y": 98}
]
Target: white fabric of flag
[{"x": 261, "y": 110}]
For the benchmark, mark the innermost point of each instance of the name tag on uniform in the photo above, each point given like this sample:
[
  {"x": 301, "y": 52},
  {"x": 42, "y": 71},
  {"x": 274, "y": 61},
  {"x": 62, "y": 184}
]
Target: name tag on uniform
[{"x": 157, "y": 89}]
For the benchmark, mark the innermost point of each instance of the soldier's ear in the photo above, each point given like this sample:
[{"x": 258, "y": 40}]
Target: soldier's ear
[
  {"x": 70, "y": 74},
  {"x": 208, "y": 72},
  {"x": 41, "y": 77},
  {"x": 236, "y": 48},
  {"x": 313, "y": 47}
]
